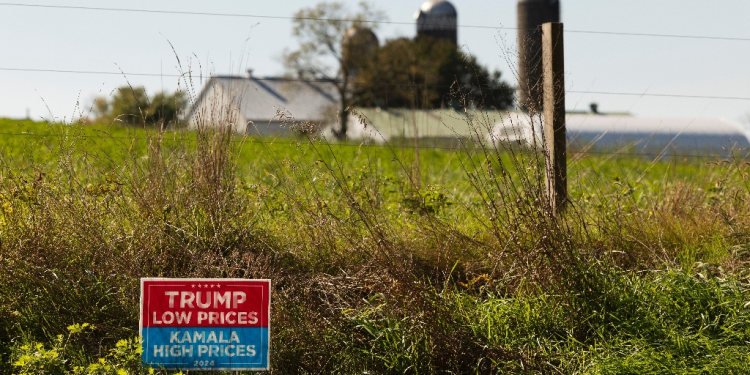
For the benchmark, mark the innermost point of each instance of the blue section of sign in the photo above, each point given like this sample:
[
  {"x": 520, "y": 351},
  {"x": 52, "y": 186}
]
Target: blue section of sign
[{"x": 205, "y": 348}]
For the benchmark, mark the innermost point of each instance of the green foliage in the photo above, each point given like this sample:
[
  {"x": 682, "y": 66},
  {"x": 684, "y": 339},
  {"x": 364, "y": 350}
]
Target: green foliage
[
  {"x": 689, "y": 322},
  {"x": 663, "y": 323},
  {"x": 33, "y": 358},
  {"x": 427, "y": 201},
  {"x": 123, "y": 359},
  {"x": 132, "y": 106},
  {"x": 438, "y": 75},
  {"x": 166, "y": 109},
  {"x": 397, "y": 345}
]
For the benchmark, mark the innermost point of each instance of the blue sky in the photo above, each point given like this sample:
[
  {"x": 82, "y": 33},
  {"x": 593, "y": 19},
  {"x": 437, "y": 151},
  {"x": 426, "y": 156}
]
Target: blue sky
[{"x": 134, "y": 42}]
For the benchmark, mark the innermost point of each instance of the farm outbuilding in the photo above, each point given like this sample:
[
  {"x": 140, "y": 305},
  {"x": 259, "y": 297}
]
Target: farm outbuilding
[
  {"x": 654, "y": 132},
  {"x": 263, "y": 106},
  {"x": 586, "y": 131},
  {"x": 380, "y": 125}
]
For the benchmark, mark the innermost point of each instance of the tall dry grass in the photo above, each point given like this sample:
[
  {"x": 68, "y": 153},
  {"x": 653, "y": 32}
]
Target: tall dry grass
[{"x": 371, "y": 272}]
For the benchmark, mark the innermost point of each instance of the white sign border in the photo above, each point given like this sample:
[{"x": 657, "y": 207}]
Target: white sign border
[{"x": 177, "y": 279}]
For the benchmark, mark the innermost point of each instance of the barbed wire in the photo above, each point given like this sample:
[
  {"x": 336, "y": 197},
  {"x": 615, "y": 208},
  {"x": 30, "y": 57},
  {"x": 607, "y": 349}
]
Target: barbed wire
[{"x": 240, "y": 15}]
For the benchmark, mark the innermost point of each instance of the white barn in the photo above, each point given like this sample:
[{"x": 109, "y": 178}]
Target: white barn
[{"x": 263, "y": 105}]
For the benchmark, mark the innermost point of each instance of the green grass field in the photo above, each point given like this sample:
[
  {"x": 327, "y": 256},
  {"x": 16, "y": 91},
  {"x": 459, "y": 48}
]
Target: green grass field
[{"x": 381, "y": 262}]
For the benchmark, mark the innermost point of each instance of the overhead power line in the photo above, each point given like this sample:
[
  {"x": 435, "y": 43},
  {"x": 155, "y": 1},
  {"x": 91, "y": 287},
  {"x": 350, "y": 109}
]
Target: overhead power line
[
  {"x": 192, "y": 75},
  {"x": 363, "y": 83},
  {"x": 659, "y": 35},
  {"x": 88, "y": 72},
  {"x": 285, "y": 79},
  {"x": 179, "y": 12}
]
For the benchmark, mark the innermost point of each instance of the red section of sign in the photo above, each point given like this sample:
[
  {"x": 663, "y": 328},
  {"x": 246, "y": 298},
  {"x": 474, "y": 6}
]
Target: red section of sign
[{"x": 205, "y": 302}]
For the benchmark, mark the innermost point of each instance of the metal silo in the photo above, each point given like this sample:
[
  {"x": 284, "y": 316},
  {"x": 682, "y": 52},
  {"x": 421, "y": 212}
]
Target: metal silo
[
  {"x": 438, "y": 19},
  {"x": 531, "y": 15}
]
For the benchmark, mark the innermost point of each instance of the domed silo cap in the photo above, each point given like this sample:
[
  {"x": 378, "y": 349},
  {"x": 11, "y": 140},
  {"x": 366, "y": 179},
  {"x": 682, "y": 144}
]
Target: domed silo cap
[
  {"x": 436, "y": 8},
  {"x": 362, "y": 35}
]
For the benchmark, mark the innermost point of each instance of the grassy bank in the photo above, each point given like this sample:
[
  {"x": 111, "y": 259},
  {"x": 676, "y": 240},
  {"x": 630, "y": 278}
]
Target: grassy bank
[{"x": 382, "y": 261}]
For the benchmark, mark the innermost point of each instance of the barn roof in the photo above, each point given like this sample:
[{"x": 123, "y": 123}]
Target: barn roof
[{"x": 260, "y": 99}]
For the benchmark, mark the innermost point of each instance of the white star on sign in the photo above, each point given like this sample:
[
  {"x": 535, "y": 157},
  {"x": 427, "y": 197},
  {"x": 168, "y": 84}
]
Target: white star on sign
[
  {"x": 199, "y": 286},
  {"x": 213, "y": 285},
  {"x": 193, "y": 285},
  {"x": 218, "y": 285},
  {"x": 205, "y": 286}
]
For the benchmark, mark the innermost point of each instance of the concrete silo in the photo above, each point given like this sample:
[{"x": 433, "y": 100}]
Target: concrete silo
[
  {"x": 357, "y": 47},
  {"x": 358, "y": 37},
  {"x": 531, "y": 15},
  {"x": 438, "y": 19}
]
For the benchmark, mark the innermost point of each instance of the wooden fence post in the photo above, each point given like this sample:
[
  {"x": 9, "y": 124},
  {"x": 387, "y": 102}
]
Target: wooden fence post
[{"x": 553, "y": 71}]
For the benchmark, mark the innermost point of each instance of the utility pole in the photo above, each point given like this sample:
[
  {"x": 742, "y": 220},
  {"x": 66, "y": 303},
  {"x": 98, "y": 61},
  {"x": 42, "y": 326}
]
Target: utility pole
[{"x": 553, "y": 67}]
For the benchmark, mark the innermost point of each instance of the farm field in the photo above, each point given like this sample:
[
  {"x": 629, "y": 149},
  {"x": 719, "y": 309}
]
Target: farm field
[{"x": 383, "y": 259}]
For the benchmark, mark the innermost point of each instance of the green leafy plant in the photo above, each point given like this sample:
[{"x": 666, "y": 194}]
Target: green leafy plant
[{"x": 35, "y": 358}]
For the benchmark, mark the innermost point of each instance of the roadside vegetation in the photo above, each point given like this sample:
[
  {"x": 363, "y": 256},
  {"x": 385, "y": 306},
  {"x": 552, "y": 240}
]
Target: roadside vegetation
[{"x": 380, "y": 262}]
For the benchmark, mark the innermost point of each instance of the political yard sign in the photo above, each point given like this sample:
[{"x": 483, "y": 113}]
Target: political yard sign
[{"x": 206, "y": 324}]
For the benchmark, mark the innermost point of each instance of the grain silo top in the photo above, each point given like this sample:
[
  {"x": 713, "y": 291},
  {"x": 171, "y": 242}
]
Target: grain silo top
[{"x": 437, "y": 8}]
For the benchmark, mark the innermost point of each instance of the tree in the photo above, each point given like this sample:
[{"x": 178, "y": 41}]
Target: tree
[
  {"x": 132, "y": 106},
  {"x": 428, "y": 73},
  {"x": 129, "y": 106},
  {"x": 321, "y": 31},
  {"x": 165, "y": 108}
]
